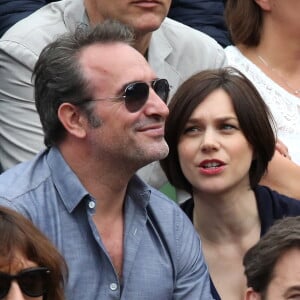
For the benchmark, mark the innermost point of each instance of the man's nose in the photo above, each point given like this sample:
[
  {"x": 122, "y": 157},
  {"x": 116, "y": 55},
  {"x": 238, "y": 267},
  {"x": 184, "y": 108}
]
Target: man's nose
[{"x": 155, "y": 105}]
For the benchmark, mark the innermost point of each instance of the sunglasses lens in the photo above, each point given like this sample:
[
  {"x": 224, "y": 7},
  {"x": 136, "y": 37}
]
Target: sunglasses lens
[
  {"x": 161, "y": 88},
  {"x": 136, "y": 95},
  {"x": 33, "y": 283},
  {"x": 4, "y": 285}
]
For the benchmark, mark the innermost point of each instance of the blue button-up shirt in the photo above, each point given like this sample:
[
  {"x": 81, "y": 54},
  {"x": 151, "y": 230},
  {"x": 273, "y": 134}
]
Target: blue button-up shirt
[{"x": 162, "y": 253}]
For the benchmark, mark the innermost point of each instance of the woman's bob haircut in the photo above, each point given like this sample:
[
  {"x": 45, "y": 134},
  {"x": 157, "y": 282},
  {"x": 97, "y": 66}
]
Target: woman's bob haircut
[{"x": 255, "y": 120}]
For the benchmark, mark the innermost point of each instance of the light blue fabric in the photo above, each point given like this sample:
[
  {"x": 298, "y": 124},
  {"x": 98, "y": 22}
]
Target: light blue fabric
[{"x": 162, "y": 252}]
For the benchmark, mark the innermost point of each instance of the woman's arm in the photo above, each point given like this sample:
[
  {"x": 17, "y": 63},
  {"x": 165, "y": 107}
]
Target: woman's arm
[{"x": 283, "y": 176}]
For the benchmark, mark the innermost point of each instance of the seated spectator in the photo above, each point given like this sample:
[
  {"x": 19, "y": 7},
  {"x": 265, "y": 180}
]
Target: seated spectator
[
  {"x": 221, "y": 141},
  {"x": 30, "y": 266},
  {"x": 174, "y": 51},
  {"x": 12, "y": 11},
  {"x": 203, "y": 15},
  {"x": 272, "y": 265},
  {"x": 103, "y": 111},
  {"x": 266, "y": 39}
]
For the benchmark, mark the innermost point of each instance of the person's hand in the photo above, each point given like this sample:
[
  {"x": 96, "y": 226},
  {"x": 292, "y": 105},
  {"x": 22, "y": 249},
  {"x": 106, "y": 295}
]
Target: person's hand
[{"x": 282, "y": 149}]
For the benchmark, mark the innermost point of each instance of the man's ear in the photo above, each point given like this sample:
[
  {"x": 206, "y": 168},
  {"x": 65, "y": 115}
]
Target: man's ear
[
  {"x": 250, "y": 294},
  {"x": 264, "y": 4},
  {"x": 72, "y": 119}
]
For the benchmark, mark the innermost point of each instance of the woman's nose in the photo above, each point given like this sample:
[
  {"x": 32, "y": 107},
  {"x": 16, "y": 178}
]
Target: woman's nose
[
  {"x": 209, "y": 141},
  {"x": 15, "y": 292}
]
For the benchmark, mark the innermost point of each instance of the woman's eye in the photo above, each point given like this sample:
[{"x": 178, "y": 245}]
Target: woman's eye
[
  {"x": 228, "y": 127},
  {"x": 294, "y": 297},
  {"x": 191, "y": 129}
]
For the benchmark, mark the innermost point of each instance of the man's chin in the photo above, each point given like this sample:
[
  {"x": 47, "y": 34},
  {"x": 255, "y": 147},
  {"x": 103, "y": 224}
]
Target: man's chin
[
  {"x": 142, "y": 26},
  {"x": 160, "y": 153}
]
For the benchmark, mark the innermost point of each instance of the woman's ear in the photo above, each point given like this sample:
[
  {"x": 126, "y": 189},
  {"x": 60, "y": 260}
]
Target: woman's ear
[
  {"x": 72, "y": 119},
  {"x": 265, "y": 5}
]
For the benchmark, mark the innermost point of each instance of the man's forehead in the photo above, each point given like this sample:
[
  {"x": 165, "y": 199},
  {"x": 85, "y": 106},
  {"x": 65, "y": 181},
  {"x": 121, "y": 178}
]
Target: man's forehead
[
  {"x": 114, "y": 59},
  {"x": 113, "y": 51}
]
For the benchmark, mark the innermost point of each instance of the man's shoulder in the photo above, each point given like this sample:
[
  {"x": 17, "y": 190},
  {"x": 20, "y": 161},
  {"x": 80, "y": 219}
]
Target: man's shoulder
[
  {"x": 37, "y": 30},
  {"x": 24, "y": 179},
  {"x": 166, "y": 210},
  {"x": 189, "y": 48},
  {"x": 179, "y": 33},
  {"x": 159, "y": 198}
]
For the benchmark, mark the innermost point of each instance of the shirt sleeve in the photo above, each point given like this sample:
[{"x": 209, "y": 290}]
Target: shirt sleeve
[
  {"x": 21, "y": 134},
  {"x": 192, "y": 280}
]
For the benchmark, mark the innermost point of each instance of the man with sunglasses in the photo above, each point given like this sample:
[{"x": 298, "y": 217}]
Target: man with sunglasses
[
  {"x": 174, "y": 51},
  {"x": 103, "y": 112}
]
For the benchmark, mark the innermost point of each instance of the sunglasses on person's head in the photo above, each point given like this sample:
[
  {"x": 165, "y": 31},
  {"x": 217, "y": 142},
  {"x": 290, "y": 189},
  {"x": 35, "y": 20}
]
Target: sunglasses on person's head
[
  {"x": 33, "y": 282},
  {"x": 136, "y": 93}
]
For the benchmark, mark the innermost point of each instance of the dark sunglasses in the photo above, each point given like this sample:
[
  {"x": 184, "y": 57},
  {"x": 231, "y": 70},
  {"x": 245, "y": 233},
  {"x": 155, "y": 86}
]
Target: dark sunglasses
[
  {"x": 136, "y": 94},
  {"x": 33, "y": 282}
]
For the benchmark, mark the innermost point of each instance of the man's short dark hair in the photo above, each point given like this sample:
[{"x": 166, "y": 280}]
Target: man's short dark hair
[
  {"x": 59, "y": 78},
  {"x": 260, "y": 260}
]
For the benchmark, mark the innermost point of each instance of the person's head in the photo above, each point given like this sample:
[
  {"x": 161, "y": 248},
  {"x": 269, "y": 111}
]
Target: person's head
[
  {"x": 78, "y": 70},
  {"x": 272, "y": 265},
  {"x": 246, "y": 19},
  {"x": 143, "y": 16},
  {"x": 218, "y": 126},
  {"x": 26, "y": 253}
]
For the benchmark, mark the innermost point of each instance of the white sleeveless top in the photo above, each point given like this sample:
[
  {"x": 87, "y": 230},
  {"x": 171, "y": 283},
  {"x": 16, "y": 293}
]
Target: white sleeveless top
[{"x": 284, "y": 106}]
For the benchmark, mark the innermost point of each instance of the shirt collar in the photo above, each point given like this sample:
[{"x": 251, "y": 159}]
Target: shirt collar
[
  {"x": 72, "y": 192},
  {"x": 75, "y": 15},
  {"x": 139, "y": 191},
  {"x": 65, "y": 180}
]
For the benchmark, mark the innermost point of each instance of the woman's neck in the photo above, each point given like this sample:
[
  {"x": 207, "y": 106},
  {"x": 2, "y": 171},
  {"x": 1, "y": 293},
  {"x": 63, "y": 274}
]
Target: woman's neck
[
  {"x": 278, "y": 56},
  {"x": 226, "y": 218}
]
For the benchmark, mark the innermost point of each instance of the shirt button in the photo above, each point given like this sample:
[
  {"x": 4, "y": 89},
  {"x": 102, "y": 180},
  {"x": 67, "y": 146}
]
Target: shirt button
[
  {"x": 92, "y": 204},
  {"x": 113, "y": 286}
]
